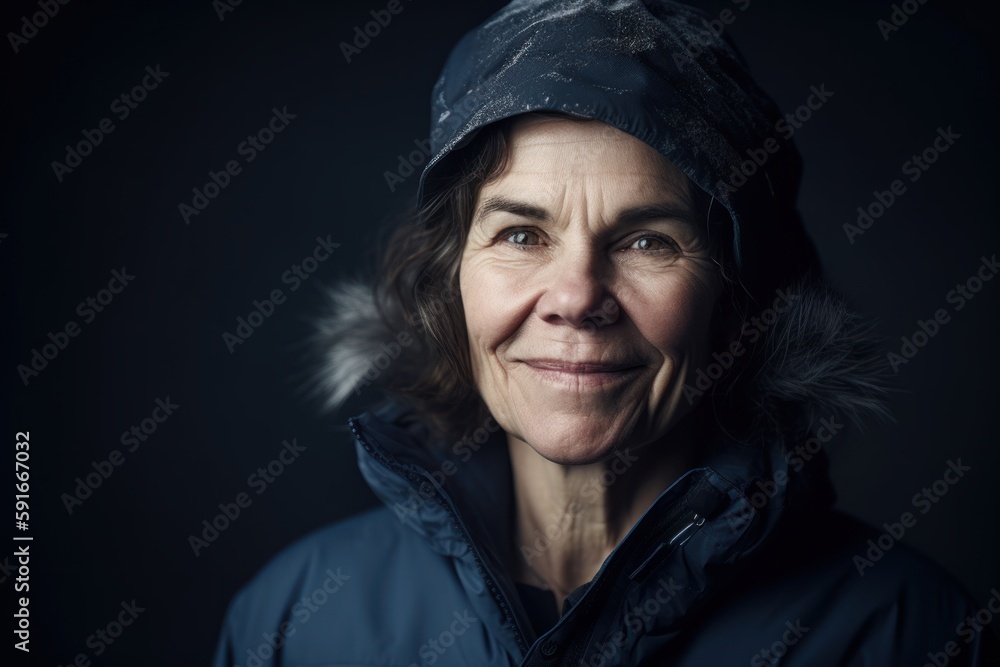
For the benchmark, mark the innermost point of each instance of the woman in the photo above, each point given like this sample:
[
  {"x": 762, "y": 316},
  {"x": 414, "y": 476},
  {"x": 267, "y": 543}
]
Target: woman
[{"x": 612, "y": 368}]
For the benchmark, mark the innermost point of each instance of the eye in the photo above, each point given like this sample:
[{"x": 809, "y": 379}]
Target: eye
[
  {"x": 653, "y": 244},
  {"x": 520, "y": 237}
]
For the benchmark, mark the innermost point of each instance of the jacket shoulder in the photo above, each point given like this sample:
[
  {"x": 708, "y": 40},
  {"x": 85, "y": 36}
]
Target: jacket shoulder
[
  {"x": 342, "y": 544},
  {"x": 896, "y": 605},
  {"x": 831, "y": 589},
  {"x": 329, "y": 595}
]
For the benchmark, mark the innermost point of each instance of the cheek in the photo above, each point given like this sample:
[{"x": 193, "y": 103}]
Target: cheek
[
  {"x": 675, "y": 317},
  {"x": 491, "y": 311}
]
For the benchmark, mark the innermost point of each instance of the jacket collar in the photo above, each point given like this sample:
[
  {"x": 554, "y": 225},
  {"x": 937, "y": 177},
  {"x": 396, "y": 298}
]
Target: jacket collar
[{"x": 458, "y": 497}]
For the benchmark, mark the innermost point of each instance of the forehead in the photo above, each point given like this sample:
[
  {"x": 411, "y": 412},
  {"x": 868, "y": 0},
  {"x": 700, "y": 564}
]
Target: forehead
[{"x": 546, "y": 152}]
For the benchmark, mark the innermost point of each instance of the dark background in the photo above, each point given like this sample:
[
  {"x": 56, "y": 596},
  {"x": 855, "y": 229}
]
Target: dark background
[{"x": 323, "y": 175}]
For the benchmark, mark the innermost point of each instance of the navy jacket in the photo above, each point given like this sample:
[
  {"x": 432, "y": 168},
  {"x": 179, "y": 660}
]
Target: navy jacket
[{"x": 761, "y": 571}]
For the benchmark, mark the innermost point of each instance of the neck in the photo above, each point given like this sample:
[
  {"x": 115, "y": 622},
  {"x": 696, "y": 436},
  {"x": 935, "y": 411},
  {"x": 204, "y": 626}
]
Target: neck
[{"x": 569, "y": 518}]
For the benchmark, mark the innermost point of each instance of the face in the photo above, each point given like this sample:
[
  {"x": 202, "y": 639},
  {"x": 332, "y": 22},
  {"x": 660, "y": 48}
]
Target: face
[{"x": 588, "y": 290}]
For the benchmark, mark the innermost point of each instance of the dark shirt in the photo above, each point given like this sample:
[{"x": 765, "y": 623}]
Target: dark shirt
[{"x": 540, "y": 605}]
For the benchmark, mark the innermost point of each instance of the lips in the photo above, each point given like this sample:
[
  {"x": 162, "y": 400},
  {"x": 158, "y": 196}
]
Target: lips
[
  {"x": 587, "y": 376},
  {"x": 583, "y": 367}
]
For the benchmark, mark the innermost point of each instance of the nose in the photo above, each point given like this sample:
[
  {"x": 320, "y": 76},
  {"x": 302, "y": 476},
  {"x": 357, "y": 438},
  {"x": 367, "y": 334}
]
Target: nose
[{"x": 577, "y": 291}]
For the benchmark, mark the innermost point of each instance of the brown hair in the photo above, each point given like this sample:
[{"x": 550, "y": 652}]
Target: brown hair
[{"x": 417, "y": 286}]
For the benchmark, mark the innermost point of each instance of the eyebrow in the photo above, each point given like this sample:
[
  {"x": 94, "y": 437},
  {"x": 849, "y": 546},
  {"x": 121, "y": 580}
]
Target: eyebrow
[
  {"x": 627, "y": 217},
  {"x": 504, "y": 205}
]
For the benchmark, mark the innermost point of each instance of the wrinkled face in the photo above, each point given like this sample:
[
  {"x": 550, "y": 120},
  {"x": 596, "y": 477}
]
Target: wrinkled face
[{"x": 588, "y": 289}]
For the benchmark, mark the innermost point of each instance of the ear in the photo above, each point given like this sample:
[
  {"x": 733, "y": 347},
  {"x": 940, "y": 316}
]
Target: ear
[
  {"x": 732, "y": 303},
  {"x": 728, "y": 316}
]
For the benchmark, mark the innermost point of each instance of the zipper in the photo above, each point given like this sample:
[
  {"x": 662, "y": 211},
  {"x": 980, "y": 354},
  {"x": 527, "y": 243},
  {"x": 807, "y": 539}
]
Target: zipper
[
  {"x": 678, "y": 521},
  {"x": 698, "y": 501},
  {"x": 445, "y": 502},
  {"x": 664, "y": 549}
]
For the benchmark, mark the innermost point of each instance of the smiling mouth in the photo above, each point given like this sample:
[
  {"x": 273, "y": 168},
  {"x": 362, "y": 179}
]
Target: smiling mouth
[
  {"x": 582, "y": 375},
  {"x": 579, "y": 367}
]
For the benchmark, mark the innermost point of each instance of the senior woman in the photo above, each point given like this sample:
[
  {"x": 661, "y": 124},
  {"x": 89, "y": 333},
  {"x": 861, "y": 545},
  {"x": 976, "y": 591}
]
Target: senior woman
[{"x": 611, "y": 368}]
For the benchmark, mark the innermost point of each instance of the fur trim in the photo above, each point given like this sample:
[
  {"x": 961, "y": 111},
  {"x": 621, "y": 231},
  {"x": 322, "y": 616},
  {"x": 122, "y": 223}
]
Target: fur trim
[
  {"x": 824, "y": 359},
  {"x": 359, "y": 346},
  {"x": 349, "y": 337}
]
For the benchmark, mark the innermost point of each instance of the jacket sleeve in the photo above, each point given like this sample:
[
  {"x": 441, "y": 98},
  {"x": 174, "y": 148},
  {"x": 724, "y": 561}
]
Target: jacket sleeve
[{"x": 245, "y": 639}]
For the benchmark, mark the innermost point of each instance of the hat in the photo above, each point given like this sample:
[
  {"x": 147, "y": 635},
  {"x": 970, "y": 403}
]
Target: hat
[{"x": 660, "y": 71}]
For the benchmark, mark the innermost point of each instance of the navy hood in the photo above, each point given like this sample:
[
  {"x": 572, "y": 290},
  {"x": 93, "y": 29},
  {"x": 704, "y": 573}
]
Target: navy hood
[{"x": 659, "y": 71}]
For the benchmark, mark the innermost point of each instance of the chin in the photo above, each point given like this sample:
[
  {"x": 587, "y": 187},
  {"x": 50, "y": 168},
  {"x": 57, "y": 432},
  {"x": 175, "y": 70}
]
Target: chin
[{"x": 574, "y": 440}]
